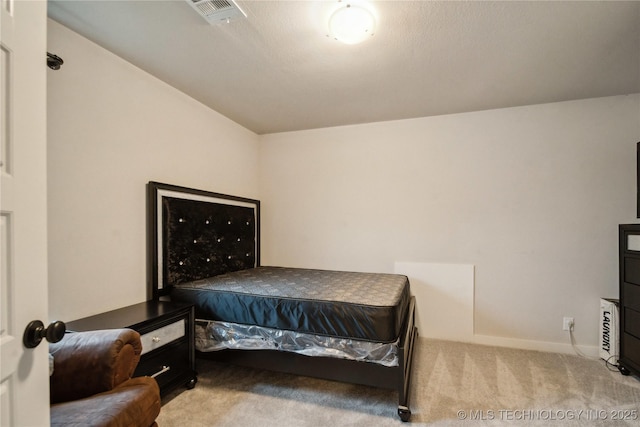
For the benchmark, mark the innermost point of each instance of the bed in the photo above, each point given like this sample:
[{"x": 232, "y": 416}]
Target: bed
[{"x": 204, "y": 249}]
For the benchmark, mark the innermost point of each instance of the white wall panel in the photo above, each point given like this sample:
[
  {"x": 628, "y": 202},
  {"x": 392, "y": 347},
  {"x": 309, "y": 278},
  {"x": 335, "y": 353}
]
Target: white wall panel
[{"x": 444, "y": 295}]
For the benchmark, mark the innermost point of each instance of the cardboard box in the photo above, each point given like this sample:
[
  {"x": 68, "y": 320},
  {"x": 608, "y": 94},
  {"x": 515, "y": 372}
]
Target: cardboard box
[{"x": 609, "y": 346}]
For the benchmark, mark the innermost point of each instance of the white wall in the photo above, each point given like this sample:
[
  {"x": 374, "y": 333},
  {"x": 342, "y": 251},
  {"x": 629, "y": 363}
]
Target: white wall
[
  {"x": 530, "y": 196},
  {"x": 111, "y": 129}
]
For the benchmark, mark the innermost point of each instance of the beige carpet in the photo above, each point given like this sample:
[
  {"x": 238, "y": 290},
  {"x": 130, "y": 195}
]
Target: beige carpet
[{"x": 453, "y": 384}]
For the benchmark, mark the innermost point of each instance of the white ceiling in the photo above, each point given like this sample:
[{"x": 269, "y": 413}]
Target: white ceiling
[{"x": 277, "y": 70}]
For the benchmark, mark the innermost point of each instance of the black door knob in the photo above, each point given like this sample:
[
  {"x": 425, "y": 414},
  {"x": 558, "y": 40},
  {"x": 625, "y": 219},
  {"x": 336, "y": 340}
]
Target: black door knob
[{"x": 36, "y": 331}]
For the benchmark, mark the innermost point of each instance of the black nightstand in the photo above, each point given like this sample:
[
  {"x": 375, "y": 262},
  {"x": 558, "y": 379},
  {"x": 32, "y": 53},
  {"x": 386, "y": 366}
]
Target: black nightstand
[{"x": 167, "y": 334}]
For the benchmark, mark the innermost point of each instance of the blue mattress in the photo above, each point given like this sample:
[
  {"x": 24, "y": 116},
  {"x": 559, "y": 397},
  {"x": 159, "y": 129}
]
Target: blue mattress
[{"x": 361, "y": 306}]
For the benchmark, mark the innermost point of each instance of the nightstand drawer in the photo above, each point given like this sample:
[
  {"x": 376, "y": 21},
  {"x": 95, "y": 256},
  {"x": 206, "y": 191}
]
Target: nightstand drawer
[
  {"x": 167, "y": 335},
  {"x": 161, "y": 336},
  {"x": 166, "y": 365}
]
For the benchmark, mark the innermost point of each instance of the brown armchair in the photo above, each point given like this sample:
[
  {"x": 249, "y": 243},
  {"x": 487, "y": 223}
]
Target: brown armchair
[{"x": 91, "y": 384}]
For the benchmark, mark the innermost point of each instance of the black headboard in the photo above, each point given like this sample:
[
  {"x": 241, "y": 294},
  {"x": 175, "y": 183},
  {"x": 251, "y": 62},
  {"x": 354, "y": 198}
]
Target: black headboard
[{"x": 194, "y": 234}]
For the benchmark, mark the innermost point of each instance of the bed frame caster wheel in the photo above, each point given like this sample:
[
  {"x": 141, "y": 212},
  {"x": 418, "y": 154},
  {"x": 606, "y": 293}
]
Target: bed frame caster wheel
[
  {"x": 623, "y": 370},
  {"x": 192, "y": 383},
  {"x": 404, "y": 413}
]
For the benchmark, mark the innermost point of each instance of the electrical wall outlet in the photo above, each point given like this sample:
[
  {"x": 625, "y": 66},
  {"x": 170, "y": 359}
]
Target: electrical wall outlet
[{"x": 567, "y": 323}]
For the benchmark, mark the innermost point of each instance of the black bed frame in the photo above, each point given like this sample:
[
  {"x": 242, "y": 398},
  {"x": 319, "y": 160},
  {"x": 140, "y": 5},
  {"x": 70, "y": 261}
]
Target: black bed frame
[{"x": 169, "y": 265}]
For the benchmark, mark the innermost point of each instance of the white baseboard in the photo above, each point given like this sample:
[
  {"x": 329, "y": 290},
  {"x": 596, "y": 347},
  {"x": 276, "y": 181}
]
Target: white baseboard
[{"x": 553, "y": 347}]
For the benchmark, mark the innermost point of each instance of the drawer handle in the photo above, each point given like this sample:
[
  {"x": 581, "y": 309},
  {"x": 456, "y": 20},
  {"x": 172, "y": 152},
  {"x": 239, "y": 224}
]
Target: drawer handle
[
  {"x": 155, "y": 339},
  {"x": 161, "y": 371}
]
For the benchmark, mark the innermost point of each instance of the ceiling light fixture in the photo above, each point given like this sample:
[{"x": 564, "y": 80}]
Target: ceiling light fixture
[{"x": 352, "y": 23}]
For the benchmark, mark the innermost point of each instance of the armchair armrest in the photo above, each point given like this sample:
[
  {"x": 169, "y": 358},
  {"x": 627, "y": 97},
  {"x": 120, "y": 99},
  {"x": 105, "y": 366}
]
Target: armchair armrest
[{"x": 86, "y": 363}]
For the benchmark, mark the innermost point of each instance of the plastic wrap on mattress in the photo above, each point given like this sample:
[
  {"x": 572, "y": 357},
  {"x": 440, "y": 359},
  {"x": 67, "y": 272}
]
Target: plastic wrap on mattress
[{"x": 216, "y": 335}]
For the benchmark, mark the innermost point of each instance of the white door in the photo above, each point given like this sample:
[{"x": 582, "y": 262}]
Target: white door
[{"x": 24, "y": 386}]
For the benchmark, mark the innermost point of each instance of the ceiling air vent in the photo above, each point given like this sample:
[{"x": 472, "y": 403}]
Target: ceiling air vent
[{"x": 217, "y": 11}]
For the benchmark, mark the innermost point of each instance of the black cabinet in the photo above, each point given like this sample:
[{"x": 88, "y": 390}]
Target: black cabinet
[
  {"x": 167, "y": 333},
  {"x": 629, "y": 235}
]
